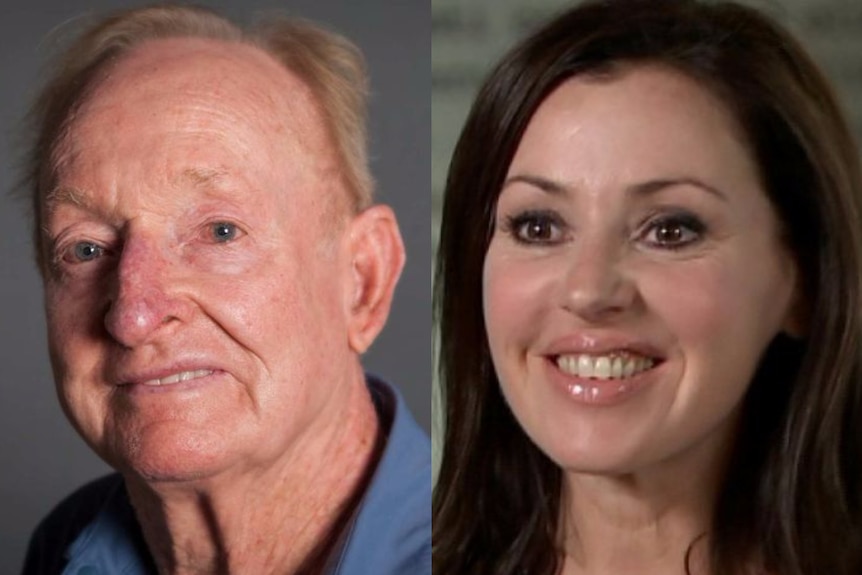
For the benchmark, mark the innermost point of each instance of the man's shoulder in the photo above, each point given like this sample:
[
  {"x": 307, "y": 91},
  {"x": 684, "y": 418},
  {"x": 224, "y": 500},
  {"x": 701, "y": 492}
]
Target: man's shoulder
[
  {"x": 392, "y": 533},
  {"x": 63, "y": 525},
  {"x": 404, "y": 469},
  {"x": 402, "y": 482}
]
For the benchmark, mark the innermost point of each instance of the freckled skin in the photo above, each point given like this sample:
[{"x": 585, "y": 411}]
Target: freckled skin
[
  {"x": 266, "y": 308},
  {"x": 711, "y": 308},
  {"x": 199, "y": 222}
]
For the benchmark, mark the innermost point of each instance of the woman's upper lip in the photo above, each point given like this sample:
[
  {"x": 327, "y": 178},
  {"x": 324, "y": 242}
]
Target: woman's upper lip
[{"x": 602, "y": 344}]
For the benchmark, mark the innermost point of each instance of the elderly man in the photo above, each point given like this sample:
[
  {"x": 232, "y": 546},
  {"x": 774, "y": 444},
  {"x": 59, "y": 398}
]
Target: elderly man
[{"x": 213, "y": 270}]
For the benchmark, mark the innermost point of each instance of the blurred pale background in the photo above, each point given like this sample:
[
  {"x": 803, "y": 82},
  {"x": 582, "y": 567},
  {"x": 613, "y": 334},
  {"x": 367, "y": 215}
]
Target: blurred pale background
[{"x": 469, "y": 37}]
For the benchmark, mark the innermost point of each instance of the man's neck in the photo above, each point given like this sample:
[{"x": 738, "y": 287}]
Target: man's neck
[{"x": 284, "y": 519}]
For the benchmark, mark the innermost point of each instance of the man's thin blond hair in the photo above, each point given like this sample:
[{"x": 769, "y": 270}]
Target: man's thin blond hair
[{"x": 329, "y": 64}]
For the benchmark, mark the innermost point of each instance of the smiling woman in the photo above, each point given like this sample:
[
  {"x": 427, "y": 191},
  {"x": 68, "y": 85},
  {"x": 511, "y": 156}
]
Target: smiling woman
[
  {"x": 633, "y": 261},
  {"x": 648, "y": 296}
]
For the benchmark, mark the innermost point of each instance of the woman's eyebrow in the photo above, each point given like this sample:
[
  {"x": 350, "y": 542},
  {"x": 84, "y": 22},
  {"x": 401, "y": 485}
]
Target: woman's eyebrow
[
  {"x": 545, "y": 184},
  {"x": 651, "y": 187},
  {"x": 646, "y": 188}
]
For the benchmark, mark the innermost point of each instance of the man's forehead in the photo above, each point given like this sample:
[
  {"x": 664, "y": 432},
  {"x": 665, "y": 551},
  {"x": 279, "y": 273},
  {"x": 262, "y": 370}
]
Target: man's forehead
[
  {"x": 193, "y": 57},
  {"x": 222, "y": 93},
  {"x": 186, "y": 72}
]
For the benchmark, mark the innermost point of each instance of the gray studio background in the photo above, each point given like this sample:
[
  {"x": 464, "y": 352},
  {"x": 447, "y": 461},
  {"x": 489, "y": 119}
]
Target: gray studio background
[
  {"x": 41, "y": 458},
  {"x": 469, "y": 36}
]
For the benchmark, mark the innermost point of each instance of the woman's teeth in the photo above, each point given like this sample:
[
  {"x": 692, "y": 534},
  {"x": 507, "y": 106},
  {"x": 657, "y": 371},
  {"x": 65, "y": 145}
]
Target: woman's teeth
[{"x": 612, "y": 366}]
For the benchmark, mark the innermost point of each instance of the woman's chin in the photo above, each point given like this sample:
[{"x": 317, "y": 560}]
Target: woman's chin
[{"x": 610, "y": 464}]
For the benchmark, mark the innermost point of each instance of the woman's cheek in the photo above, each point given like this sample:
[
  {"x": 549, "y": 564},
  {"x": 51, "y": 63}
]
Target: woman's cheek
[{"x": 518, "y": 295}]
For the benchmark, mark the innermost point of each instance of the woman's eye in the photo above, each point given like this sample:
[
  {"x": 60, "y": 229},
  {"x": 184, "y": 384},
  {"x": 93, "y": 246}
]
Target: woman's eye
[
  {"x": 674, "y": 232},
  {"x": 86, "y": 251},
  {"x": 535, "y": 228},
  {"x": 223, "y": 232}
]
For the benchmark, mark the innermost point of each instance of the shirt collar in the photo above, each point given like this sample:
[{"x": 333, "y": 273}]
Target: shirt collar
[{"x": 110, "y": 543}]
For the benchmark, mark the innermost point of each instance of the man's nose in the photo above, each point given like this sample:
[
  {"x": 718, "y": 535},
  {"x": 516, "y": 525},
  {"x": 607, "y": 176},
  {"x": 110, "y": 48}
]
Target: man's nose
[
  {"x": 143, "y": 300},
  {"x": 597, "y": 286}
]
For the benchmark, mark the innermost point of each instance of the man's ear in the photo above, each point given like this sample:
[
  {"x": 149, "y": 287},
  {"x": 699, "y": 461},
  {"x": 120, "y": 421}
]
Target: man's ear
[{"x": 376, "y": 259}]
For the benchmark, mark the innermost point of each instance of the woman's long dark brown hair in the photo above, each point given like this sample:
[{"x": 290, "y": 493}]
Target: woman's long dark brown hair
[{"x": 791, "y": 500}]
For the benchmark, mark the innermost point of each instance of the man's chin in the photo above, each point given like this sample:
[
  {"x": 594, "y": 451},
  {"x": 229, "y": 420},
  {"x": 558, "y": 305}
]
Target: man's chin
[
  {"x": 154, "y": 474},
  {"x": 159, "y": 461}
]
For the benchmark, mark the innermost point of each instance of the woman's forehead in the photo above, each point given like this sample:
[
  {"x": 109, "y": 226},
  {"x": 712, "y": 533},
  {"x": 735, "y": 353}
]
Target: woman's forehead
[{"x": 643, "y": 123}]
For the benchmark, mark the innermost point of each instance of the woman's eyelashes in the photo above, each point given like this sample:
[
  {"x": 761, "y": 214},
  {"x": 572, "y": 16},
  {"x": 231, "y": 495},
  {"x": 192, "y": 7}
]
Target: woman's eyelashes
[
  {"x": 673, "y": 230},
  {"x": 536, "y": 227}
]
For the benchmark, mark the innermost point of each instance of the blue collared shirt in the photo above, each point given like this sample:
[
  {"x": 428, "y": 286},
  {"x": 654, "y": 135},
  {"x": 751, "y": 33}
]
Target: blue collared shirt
[{"x": 390, "y": 533}]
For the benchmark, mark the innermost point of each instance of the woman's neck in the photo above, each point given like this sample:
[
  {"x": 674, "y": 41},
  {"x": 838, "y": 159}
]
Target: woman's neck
[{"x": 654, "y": 520}]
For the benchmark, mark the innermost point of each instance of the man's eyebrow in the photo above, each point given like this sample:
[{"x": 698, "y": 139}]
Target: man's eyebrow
[
  {"x": 66, "y": 195},
  {"x": 647, "y": 188},
  {"x": 216, "y": 183},
  {"x": 203, "y": 176},
  {"x": 75, "y": 197}
]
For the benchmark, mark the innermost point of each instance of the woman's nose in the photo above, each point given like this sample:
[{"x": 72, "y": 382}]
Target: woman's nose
[
  {"x": 143, "y": 300},
  {"x": 597, "y": 286}
]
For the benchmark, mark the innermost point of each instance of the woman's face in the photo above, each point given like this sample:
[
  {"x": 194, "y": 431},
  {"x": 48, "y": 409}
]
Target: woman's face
[{"x": 635, "y": 275}]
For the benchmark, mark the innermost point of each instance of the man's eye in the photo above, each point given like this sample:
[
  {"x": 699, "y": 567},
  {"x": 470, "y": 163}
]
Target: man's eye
[
  {"x": 674, "y": 232},
  {"x": 86, "y": 251},
  {"x": 223, "y": 232},
  {"x": 535, "y": 228}
]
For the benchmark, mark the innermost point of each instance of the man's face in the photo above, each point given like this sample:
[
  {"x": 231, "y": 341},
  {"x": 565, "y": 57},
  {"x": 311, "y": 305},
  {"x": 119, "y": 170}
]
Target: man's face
[{"x": 194, "y": 299}]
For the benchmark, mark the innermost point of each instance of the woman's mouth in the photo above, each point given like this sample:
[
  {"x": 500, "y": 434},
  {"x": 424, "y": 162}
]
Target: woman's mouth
[
  {"x": 615, "y": 365},
  {"x": 603, "y": 379}
]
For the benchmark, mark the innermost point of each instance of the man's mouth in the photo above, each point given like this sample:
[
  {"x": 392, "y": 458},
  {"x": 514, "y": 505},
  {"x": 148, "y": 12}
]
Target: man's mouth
[
  {"x": 614, "y": 365},
  {"x": 178, "y": 377}
]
